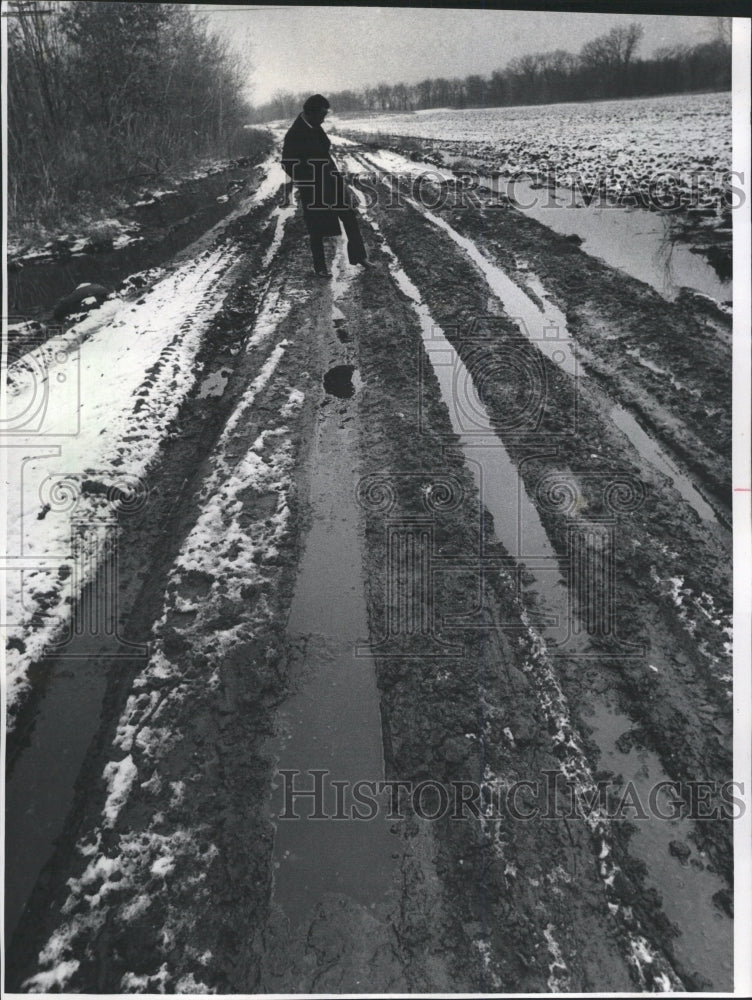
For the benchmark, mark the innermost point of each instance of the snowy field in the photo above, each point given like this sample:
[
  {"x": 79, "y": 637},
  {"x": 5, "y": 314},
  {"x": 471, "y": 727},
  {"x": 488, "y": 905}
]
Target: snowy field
[{"x": 617, "y": 140}]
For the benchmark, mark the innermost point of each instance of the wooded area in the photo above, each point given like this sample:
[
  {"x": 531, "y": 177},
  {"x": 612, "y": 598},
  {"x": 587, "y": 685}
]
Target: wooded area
[
  {"x": 105, "y": 94},
  {"x": 606, "y": 67}
]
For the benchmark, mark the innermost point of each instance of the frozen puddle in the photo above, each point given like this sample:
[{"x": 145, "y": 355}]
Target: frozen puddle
[
  {"x": 331, "y": 724},
  {"x": 705, "y": 942},
  {"x": 551, "y": 322},
  {"x": 553, "y": 336}
]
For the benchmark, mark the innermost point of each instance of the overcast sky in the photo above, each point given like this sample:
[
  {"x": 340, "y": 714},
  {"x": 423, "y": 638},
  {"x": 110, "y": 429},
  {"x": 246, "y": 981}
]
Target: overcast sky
[{"x": 325, "y": 49}]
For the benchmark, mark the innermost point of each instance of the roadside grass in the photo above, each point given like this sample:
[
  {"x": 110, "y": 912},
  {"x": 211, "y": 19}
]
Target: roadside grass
[{"x": 80, "y": 190}]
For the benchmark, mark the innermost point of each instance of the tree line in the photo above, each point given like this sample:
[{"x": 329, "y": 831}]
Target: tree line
[
  {"x": 101, "y": 94},
  {"x": 605, "y": 67}
]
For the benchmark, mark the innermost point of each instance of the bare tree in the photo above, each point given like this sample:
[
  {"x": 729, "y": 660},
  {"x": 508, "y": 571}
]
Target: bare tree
[
  {"x": 425, "y": 93},
  {"x": 100, "y": 93},
  {"x": 615, "y": 49},
  {"x": 384, "y": 93},
  {"x": 498, "y": 88},
  {"x": 475, "y": 90},
  {"x": 442, "y": 92},
  {"x": 401, "y": 96},
  {"x": 608, "y": 58},
  {"x": 285, "y": 104}
]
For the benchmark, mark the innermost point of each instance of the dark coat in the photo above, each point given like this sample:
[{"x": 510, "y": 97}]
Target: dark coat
[{"x": 307, "y": 160}]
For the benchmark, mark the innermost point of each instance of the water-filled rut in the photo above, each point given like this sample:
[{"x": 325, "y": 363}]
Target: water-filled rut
[
  {"x": 705, "y": 941},
  {"x": 331, "y": 724}
]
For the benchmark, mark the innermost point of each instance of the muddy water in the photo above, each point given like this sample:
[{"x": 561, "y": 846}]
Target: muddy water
[
  {"x": 632, "y": 239},
  {"x": 650, "y": 450},
  {"x": 332, "y": 722},
  {"x": 40, "y": 781},
  {"x": 34, "y": 288},
  {"x": 171, "y": 226},
  {"x": 705, "y": 942},
  {"x": 551, "y": 317},
  {"x": 547, "y": 329},
  {"x": 638, "y": 242}
]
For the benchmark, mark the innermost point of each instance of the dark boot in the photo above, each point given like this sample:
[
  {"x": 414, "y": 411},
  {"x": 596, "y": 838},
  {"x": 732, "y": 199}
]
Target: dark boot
[
  {"x": 319, "y": 259},
  {"x": 356, "y": 251}
]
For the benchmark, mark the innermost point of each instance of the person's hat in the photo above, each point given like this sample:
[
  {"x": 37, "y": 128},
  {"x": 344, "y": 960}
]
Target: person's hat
[{"x": 315, "y": 102}]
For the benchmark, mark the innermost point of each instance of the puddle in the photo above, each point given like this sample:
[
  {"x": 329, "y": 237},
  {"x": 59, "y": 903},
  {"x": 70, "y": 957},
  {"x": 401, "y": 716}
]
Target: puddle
[
  {"x": 707, "y": 940},
  {"x": 516, "y": 519},
  {"x": 332, "y": 721},
  {"x": 547, "y": 329},
  {"x": 189, "y": 224},
  {"x": 632, "y": 239},
  {"x": 705, "y": 943},
  {"x": 338, "y": 381},
  {"x": 39, "y": 786},
  {"x": 660, "y": 459}
]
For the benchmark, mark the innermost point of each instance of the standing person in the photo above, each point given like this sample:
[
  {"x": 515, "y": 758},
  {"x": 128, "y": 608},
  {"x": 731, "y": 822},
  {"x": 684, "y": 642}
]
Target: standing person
[{"x": 325, "y": 200}]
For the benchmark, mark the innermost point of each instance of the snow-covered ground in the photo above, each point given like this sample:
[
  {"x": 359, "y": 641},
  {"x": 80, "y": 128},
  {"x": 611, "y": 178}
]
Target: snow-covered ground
[
  {"x": 635, "y": 240},
  {"x": 233, "y": 551},
  {"x": 99, "y": 406},
  {"x": 618, "y": 140},
  {"x": 89, "y": 411}
]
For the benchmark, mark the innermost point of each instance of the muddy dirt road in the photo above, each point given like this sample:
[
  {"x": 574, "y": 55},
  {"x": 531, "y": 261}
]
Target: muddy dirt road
[{"x": 438, "y": 552}]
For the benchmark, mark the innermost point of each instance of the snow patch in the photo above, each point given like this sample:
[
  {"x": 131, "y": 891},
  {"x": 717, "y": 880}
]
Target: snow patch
[
  {"x": 113, "y": 383},
  {"x": 189, "y": 984},
  {"x": 119, "y": 776},
  {"x": 558, "y": 978},
  {"x": 53, "y": 980},
  {"x": 282, "y": 216}
]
